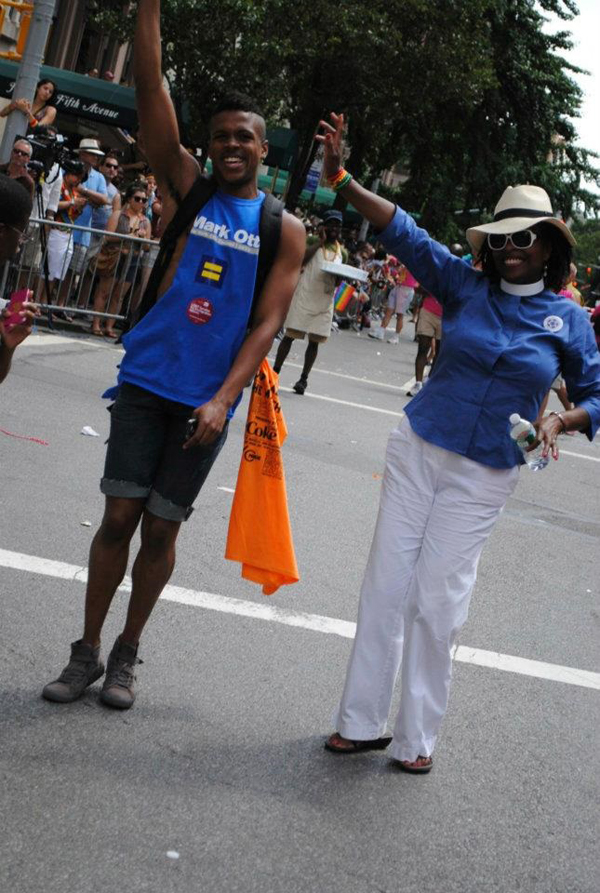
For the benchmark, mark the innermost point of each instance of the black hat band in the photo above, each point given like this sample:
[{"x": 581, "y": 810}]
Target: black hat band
[{"x": 521, "y": 212}]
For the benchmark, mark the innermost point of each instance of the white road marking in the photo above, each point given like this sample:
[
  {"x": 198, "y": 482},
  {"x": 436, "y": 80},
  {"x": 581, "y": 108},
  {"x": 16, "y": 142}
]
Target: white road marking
[
  {"x": 399, "y": 415},
  {"x": 43, "y": 340},
  {"x": 578, "y": 455},
  {"x": 314, "y": 622},
  {"x": 226, "y": 489},
  {"x": 381, "y": 384}
]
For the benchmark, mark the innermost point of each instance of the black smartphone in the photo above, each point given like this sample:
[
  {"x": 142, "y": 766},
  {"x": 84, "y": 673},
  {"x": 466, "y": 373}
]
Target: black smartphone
[{"x": 190, "y": 428}]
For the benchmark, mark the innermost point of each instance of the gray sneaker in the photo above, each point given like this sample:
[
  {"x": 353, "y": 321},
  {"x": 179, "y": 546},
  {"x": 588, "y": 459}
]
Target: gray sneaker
[
  {"x": 83, "y": 669},
  {"x": 118, "y": 689}
]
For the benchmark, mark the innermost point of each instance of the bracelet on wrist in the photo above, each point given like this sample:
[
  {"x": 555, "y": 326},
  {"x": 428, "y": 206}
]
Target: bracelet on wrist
[
  {"x": 559, "y": 415},
  {"x": 339, "y": 179}
]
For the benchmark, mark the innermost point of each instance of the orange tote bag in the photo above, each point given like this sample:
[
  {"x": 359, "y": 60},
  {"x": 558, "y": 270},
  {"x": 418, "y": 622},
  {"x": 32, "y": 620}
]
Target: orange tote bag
[{"x": 259, "y": 533}]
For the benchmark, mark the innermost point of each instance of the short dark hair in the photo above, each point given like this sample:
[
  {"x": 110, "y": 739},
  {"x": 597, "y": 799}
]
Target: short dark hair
[
  {"x": 559, "y": 262},
  {"x": 16, "y": 203},
  {"x": 133, "y": 188},
  {"x": 238, "y": 102},
  {"x": 74, "y": 167}
]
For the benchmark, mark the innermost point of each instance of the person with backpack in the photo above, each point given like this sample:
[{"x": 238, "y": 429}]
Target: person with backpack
[{"x": 219, "y": 292}]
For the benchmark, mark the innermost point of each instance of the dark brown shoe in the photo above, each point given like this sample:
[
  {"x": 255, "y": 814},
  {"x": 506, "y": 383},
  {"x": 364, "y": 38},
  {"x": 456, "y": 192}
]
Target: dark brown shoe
[
  {"x": 118, "y": 689},
  {"x": 83, "y": 669}
]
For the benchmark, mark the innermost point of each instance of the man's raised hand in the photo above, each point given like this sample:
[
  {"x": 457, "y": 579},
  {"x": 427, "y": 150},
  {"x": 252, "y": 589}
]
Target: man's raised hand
[{"x": 332, "y": 140}]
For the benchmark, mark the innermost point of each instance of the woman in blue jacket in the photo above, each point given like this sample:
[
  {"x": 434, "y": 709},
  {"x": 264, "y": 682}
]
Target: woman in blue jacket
[{"x": 451, "y": 464}]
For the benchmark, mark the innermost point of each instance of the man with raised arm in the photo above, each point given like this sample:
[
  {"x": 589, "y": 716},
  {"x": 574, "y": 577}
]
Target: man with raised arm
[{"x": 190, "y": 356}]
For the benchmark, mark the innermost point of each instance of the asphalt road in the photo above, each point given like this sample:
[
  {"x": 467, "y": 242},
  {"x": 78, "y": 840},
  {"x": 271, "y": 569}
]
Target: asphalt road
[{"x": 217, "y": 779}]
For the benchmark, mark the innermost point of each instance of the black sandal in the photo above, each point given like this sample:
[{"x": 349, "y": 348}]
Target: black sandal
[
  {"x": 407, "y": 765},
  {"x": 357, "y": 746}
]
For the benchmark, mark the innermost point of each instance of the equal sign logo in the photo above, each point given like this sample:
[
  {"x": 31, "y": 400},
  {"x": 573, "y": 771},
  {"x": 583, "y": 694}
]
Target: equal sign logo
[{"x": 212, "y": 271}]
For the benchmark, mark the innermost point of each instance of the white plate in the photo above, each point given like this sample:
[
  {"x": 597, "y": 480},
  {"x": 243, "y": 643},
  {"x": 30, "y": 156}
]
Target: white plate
[{"x": 345, "y": 271}]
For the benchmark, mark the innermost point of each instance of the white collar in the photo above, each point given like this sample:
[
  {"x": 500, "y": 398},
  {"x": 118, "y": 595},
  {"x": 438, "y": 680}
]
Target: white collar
[{"x": 525, "y": 290}]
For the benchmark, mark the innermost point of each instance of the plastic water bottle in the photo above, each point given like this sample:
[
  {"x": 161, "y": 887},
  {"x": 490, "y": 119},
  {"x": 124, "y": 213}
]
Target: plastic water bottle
[{"x": 523, "y": 433}]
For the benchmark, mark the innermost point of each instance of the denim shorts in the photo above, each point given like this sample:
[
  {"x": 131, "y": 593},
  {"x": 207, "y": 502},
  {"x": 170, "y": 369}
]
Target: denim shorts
[{"x": 145, "y": 457}]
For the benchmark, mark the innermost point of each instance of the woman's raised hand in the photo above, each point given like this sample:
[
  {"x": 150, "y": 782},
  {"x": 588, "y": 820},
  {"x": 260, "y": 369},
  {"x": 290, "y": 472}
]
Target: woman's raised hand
[{"x": 332, "y": 140}]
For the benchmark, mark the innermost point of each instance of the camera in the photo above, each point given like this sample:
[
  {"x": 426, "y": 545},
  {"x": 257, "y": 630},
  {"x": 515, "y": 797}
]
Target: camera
[{"x": 48, "y": 148}]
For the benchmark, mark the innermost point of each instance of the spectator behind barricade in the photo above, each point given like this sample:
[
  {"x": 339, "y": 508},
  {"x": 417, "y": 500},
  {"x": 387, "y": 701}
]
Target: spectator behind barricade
[
  {"x": 15, "y": 209},
  {"x": 50, "y": 183},
  {"x": 119, "y": 260},
  {"x": 93, "y": 189},
  {"x": 47, "y": 191},
  {"x": 60, "y": 239},
  {"x": 134, "y": 163},
  {"x": 16, "y": 167},
  {"x": 41, "y": 112},
  {"x": 148, "y": 257},
  {"x": 109, "y": 168}
]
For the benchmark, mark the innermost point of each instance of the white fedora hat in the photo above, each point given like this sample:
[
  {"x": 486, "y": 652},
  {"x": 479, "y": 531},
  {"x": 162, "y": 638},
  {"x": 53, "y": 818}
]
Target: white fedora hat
[
  {"x": 519, "y": 208},
  {"x": 91, "y": 146}
]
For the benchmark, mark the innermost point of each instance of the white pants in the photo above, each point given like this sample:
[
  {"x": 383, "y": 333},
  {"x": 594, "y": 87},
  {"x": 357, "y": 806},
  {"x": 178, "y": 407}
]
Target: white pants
[
  {"x": 60, "y": 251},
  {"x": 437, "y": 510}
]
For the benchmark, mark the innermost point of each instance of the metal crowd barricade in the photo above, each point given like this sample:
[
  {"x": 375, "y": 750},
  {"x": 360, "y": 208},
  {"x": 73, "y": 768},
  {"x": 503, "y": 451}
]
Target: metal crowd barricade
[{"x": 80, "y": 288}]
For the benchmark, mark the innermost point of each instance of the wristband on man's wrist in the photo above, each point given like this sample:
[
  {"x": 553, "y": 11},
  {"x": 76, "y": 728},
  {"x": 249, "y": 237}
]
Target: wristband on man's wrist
[{"x": 559, "y": 415}]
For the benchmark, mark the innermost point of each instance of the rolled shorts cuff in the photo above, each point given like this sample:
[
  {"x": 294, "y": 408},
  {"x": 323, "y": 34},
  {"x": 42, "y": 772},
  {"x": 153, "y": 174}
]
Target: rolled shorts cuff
[
  {"x": 124, "y": 489},
  {"x": 164, "y": 508},
  {"x": 155, "y": 503}
]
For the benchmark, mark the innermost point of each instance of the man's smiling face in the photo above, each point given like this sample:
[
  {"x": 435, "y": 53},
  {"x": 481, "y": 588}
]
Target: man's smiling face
[{"x": 237, "y": 146}]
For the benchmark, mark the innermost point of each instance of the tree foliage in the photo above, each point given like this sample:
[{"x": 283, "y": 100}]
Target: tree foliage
[{"x": 468, "y": 95}]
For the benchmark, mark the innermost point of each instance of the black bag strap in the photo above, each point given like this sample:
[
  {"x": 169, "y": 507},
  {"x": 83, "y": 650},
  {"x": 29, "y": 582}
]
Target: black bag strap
[
  {"x": 200, "y": 193},
  {"x": 203, "y": 189},
  {"x": 269, "y": 231}
]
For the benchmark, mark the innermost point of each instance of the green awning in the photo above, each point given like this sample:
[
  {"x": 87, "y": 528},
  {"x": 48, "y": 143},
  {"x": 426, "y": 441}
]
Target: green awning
[{"x": 81, "y": 96}]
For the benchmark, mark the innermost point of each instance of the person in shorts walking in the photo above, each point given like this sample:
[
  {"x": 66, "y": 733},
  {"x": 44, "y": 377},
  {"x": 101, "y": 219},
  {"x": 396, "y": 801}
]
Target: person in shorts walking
[
  {"x": 399, "y": 300},
  {"x": 189, "y": 356}
]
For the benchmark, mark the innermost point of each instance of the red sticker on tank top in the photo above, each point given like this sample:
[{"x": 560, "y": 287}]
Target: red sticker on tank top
[{"x": 200, "y": 311}]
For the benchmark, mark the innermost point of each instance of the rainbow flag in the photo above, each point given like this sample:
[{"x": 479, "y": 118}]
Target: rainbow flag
[{"x": 342, "y": 296}]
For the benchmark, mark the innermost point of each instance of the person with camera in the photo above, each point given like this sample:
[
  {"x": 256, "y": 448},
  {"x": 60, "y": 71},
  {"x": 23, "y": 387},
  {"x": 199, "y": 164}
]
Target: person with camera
[
  {"x": 118, "y": 261},
  {"x": 16, "y": 167},
  {"x": 93, "y": 189},
  {"x": 60, "y": 239}
]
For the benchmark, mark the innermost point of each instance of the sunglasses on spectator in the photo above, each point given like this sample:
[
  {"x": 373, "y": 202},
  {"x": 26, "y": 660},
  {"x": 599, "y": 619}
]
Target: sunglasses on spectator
[
  {"x": 523, "y": 239},
  {"x": 140, "y": 198},
  {"x": 113, "y": 166},
  {"x": 21, "y": 153},
  {"x": 23, "y": 237}
]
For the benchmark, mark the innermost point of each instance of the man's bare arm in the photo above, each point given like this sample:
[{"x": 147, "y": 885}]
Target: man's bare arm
[
  {"x": 270, "y": 313},
  {"x": 174, "y": 168}
]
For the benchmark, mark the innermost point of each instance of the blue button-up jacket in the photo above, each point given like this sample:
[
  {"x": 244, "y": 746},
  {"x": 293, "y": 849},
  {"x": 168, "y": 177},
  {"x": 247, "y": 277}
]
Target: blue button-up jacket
[{"x": 499, "y": 353}]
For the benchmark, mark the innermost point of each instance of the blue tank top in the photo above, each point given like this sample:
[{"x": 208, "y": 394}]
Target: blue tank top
[{"x": 184, "y": 347}]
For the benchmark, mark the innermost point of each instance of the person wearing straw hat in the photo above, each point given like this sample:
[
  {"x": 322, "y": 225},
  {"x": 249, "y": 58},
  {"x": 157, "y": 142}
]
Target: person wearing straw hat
[
  {"x": 94, "y": 191},
  {"x": 451, "y": 464}
]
